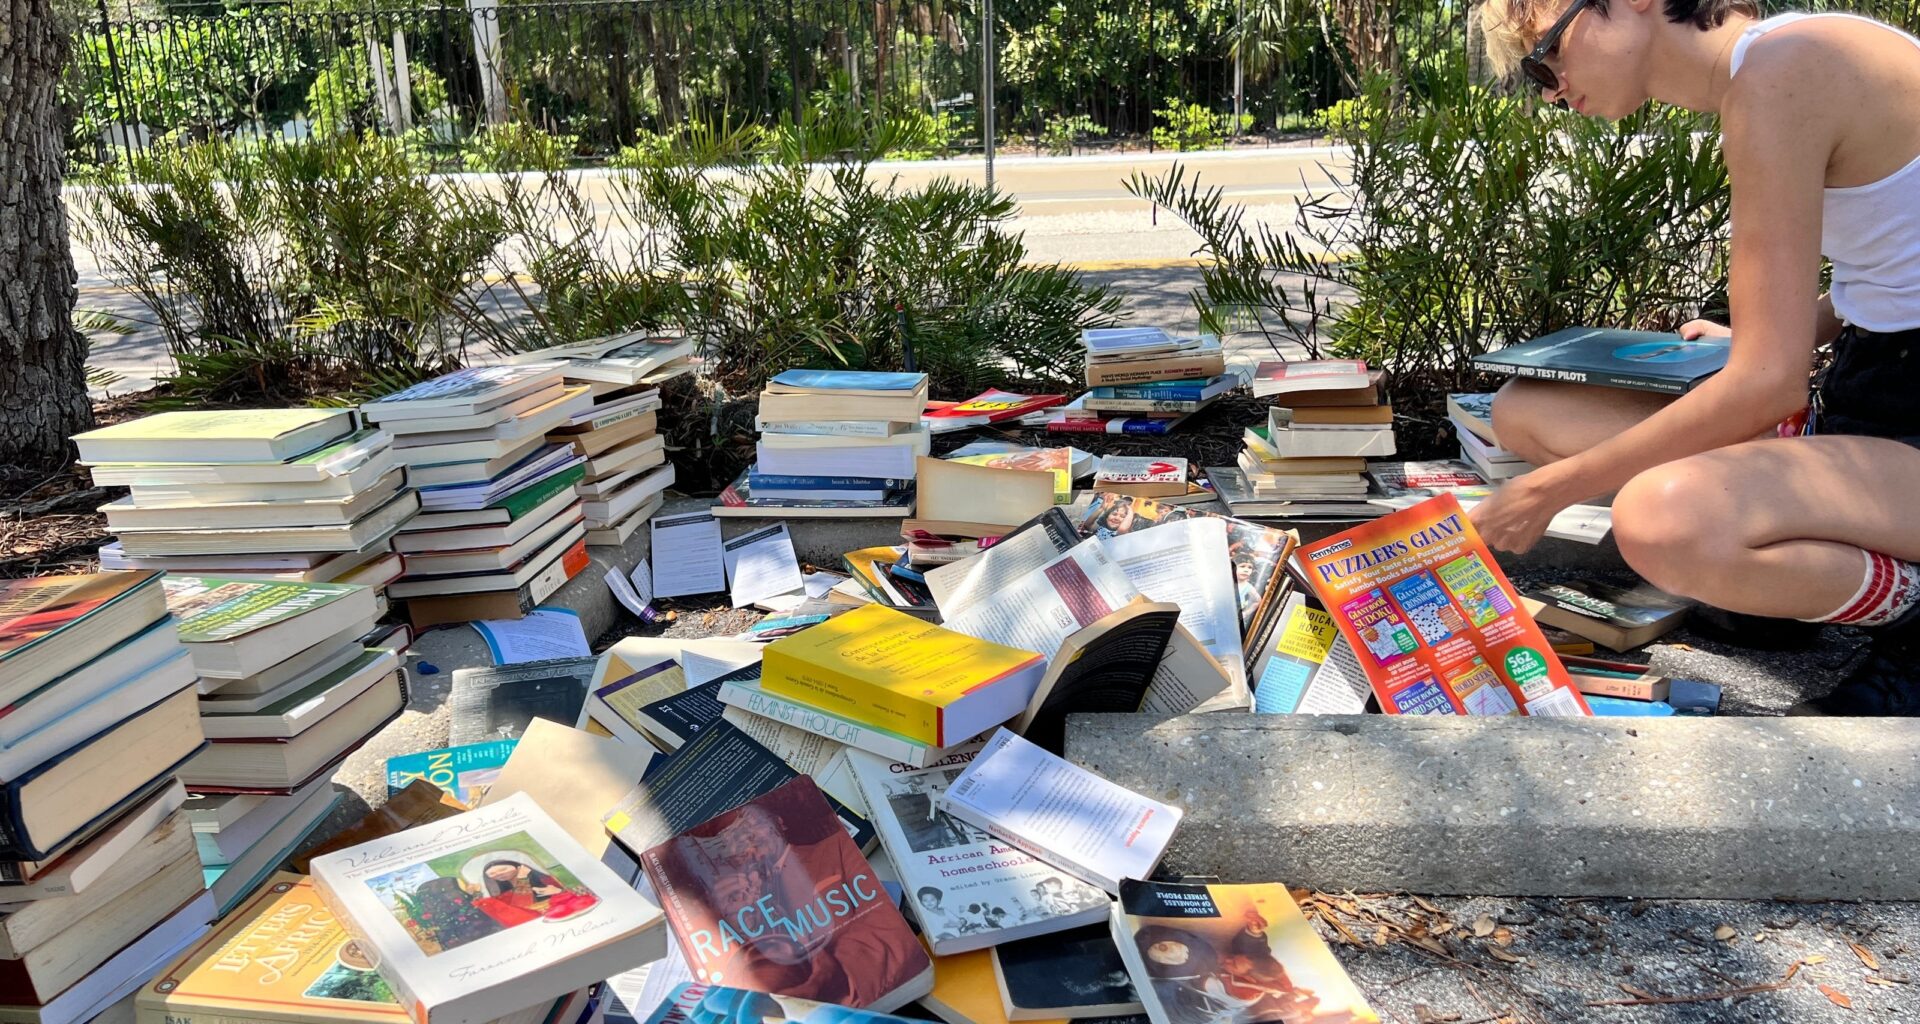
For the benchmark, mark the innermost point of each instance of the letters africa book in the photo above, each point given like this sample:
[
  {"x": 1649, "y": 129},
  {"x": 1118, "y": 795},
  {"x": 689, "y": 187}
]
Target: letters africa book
[
  {"x": 1061, "y": 812},
  {"x": 1609, "y": 357},
  {"x": 487, "y": 913},
  {"x": 464, "y": 771},
  {"x": 281, "y": 958},
  {"x": 1230, "y": 953},
  {"x": 694, "y": 1003},
  {"x": 1435, "y": 623},
  {"x": 967, "y": 889},
  {"x": 773, "y": 896},
  {"x": 890, "y": 669}
]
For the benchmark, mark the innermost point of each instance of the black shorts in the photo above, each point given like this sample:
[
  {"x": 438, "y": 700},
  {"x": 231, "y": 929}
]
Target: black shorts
[{"x": 1872, "y": 387}]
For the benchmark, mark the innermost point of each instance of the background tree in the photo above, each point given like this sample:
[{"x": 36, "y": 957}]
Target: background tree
[{"x": 43, "y": 386}]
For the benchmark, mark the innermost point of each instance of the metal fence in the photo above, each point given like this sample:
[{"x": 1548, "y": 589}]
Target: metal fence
[{"x": 466, "y": 77}]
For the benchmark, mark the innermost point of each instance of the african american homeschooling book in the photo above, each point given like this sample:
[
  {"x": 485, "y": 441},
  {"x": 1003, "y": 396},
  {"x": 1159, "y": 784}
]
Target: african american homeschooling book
[{"x": 1433, "y": 620}]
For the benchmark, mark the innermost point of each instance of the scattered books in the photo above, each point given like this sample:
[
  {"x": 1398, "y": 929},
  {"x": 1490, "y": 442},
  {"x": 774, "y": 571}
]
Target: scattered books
[
  {"x": 1615, "y": 617},
  {"x": 990, "y": 406},
  {"x": 1142, "y": 476},
  {"x": 1075, "y": 974}
]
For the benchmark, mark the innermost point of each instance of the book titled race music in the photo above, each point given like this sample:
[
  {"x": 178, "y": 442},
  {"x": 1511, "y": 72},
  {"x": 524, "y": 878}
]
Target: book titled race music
[
  {"x": 487, "y": 913},
  {"x": 1433, "y": 620},
  {"x": 774, "y": 896},
  {"x": 1062, "y": 813},
  {"x": 903, "y": 674}
]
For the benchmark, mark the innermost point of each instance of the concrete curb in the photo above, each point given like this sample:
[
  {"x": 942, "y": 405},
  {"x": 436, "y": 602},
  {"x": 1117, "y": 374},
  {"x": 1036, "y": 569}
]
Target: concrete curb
[{"x": 1716, "y": 808}]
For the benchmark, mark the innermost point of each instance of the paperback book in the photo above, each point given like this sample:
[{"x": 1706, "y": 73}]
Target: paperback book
[
  {"x": 464, "y": 772},
  {"x": 497, "y": 703},
  {"x": 1610, "y": 357}
]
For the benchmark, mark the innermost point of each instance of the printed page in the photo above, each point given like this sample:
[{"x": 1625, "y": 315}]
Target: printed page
[
  {"x": 1189, "y": 681},
  {"x": 1340, "y": 686},
  {"x": 544, "y": 633},
  {"x": 762, "y": 565},
  {"x": 1038, "y": 610},
  {"x": 958, "y": 586},
  {"x": 687, "y": 555},
  {"x": 1186, "y": 563}
]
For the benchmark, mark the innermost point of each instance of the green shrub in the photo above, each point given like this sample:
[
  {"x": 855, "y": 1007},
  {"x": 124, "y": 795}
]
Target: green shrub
[
  {"x": 514, "y": 146},
  {"x": 1190, "y": 126},
  {"x": 1470, "y": 221},
  {"x": 341, "y": 101},
  {"x": 1061, "y": 134}
]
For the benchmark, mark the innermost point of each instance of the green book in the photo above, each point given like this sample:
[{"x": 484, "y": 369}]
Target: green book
[
  {"x": 212, "y": 610},
  {"x": 532, "y": 496}
]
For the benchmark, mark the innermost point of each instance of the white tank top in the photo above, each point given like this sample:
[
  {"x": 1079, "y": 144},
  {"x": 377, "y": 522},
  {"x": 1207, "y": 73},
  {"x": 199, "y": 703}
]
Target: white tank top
[{"x": 1871, "y": 232}]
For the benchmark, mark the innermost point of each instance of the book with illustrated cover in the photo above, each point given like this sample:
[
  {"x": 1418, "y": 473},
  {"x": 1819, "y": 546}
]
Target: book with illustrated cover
[
  {"x": 694, "y": 1003},
  {"x": 1076, "y": 974},
  {"x": 1615, "y": 358},
  {"x": 1230, "y": 954},
  {"x": 487, "y": 913},
  {"x": 464, "y": 771},
  {"x": 989, "y": 406},
  {"x": 847, "y": 381},
  {"x": 1002, "y": 895},
  {"x": 41, "y": 623},
  {"x": 773, "y": 896},
  {"x": 236, "y": 628},
  {"x": 1142, "y": 476},
  {"x": 742, "y": 691},
  {"x": 497, "y": 703},
  {"x": 1436, "y": 625},
  {"x": 1619, "y": 618},
  {"x": 281, "y": 958},
  {"x": 1307, "y": 667},
  {"x": 473, "y": 389}
]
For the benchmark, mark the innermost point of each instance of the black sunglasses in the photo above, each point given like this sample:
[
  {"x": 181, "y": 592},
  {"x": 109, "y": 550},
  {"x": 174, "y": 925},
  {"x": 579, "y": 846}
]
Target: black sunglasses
[{"x": 1535, "y": 63}]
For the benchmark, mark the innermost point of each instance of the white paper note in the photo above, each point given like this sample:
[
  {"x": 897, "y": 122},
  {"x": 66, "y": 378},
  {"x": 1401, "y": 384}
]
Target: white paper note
[
  {"x": 544, "y": 633},
  {"x": 762, "y": 565},
  {"x": 687, "y": 556}
]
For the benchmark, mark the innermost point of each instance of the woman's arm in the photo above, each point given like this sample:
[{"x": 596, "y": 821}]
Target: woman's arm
[{"x": 1777, "y": 144}]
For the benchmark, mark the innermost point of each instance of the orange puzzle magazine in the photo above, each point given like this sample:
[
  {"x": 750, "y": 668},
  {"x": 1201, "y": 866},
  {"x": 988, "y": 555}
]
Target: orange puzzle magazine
[{"x": 1434, "y": 621}]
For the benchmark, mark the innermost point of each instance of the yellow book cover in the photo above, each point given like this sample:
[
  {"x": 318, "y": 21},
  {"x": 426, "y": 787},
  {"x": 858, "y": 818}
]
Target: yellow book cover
[
  {"x": 281, "y": 958},
  {"x": 889, "y": 670},
  {"x": 214, "y": 425},
  {"x": 965, "y": 990}
]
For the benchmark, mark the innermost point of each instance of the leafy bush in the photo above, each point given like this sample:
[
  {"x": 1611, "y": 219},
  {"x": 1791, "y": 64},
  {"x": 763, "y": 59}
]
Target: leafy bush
[
  {"x": 341, "y": 101},
  {"x": 516, "y": 146},
  {"x": 1190, "y": 126},
  {"x": 1063, "y": 133},
  {"x": 1469, "y": 221}
]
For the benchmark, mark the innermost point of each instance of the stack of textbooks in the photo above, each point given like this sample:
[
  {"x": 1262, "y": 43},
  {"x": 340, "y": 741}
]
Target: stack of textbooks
[
  {"x": 293, "y": 678},
  {"x": 1143, "y": 380},
  {"x": 834, "y": 443},
  {"x": 1310, "y": 459},
  {"x": 289, "y": 494},
  {"x": 626, "y": 473},
  {"x": 99, "y": 883},
  {"x": 1472, "y": 417},
  {"x": 501, "y": 525}
]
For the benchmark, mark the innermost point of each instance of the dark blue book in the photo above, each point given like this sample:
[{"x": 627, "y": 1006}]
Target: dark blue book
[
  {"x": 1609, "y": 357},
  {"x": 1171, "y": 390},
  {"x": 779, "y": 482}
]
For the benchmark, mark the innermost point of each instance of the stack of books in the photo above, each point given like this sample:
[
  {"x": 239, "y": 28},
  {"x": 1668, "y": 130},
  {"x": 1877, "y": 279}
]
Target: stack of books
[
  {"x": 1143, "y": 380},
  {"x": 501, "y": 525},
  {"x": 1311, "y": 457},
  {"x": 834, "y": 443},
  {"x": 1472, "y": 416},
  {"x": 99, "y": 883},
  {"x": 288, "y": 494},
  {"x": 626, "y": 470},
  {"x": 293, "y": 678}
]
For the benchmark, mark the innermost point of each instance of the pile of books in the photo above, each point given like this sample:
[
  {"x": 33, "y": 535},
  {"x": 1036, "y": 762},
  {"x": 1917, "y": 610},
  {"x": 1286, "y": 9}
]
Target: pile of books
[
  {"x": 833, "y": 443},
  {"x": 1310, "y": 459},
  {"x": 287, "y": 494},
  {"x": 626, "y": 473},
  {"x": 293, "y": 678},
  {"x": 1472, "y": 418},
  {"x": 1143, "y": 380},
  {"x": 501, "y": 526},
  {"x": 99, "y": 883}
]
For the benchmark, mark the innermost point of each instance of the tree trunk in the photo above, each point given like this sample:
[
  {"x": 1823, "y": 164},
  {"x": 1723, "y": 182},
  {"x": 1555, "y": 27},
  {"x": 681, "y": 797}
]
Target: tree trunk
[{"x": 43, "y": 381}]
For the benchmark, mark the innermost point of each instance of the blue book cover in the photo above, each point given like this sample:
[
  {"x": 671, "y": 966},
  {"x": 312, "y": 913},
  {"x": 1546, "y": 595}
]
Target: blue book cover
[
  {"x": 850, "y": 380},
  {"x": 777, "y": 481},
  {"x": 1621, "y": 707},
  {"x": 1608, "y": 357},
  {"x": 1171, "y": 390},
  {"x": 463, "y": 771}
]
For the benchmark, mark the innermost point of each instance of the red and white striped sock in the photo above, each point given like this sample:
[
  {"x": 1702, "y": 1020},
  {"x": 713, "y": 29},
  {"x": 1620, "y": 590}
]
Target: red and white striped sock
[{"x": 1891, "y": 588}]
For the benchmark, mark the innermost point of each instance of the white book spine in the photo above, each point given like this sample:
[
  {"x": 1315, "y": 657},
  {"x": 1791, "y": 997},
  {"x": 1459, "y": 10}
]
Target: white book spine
[
  {"x": 758, "y": 702},
  {"x": 833, "y": 428}
]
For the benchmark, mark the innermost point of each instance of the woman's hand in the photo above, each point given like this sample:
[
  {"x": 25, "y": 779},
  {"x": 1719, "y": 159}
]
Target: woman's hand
[
  {"x": 1517, "y": 515},
  {"x": 1704, "y": 328}
]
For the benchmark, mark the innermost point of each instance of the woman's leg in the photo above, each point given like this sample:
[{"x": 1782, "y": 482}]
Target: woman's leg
[
  {"x": 1546, "y": 421},
  {"x": 1773, "y": 527}
]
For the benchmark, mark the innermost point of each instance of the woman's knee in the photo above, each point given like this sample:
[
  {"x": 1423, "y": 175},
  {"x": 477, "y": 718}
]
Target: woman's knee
[
  {"x": 1674, "y": 529},
  {"x": 1523, "y": 414}
]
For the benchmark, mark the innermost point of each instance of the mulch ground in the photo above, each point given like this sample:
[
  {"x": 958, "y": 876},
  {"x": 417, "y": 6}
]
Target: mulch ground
[{"x": 50, "y": 521}]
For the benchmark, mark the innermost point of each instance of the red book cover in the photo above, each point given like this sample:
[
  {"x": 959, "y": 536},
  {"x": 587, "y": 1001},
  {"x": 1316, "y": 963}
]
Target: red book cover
[
  {"x": 773, "y": 896},
  {"x": 31, "y": 610}
]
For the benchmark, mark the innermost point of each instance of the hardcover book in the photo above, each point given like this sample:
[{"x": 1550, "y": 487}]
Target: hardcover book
[
  {"x": 1609, "y": 357},
  {"x": 475, "y": 388},
  {"x": 1241, "y": 953},
  {"x": 773, "y": 896},
  {"x": 215, "y": 435},
  {"x": 465, "y": 771},
  {"x": 497, "y": 703},
  {"x": 281, "y": 958},
  {"x": 1003, "y": 895},
  {"x": 39, "y": 619},
  {"x": 739, "y": 499},
  {"x": 890, "y": 669},
  {"x": 1062, "y": 813},
  {"x": 487, "y": 913}
]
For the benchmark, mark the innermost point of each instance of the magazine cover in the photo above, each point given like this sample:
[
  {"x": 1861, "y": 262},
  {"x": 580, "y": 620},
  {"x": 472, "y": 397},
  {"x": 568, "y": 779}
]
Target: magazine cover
[
  {"x": 694, "y": 1003},
  {"x": 773, "y": 896},
  {"x": 487, "y": 913},
  {"x": 1230, "y": 954},
  {"x": 967, "y": 889},
  {"x": 1259, "y": 553},
  {"x": 1435, "y": 623},
  {"x": 1611, "y": 357}
]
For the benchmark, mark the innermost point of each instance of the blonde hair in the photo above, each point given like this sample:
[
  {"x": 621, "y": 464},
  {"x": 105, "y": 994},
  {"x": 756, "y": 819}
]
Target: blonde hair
[{"x": 1507, "y": 33}]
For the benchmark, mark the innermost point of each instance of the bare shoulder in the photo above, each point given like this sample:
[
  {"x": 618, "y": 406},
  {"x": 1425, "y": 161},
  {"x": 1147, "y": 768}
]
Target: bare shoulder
[{"x": 1842, "y": 82}]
